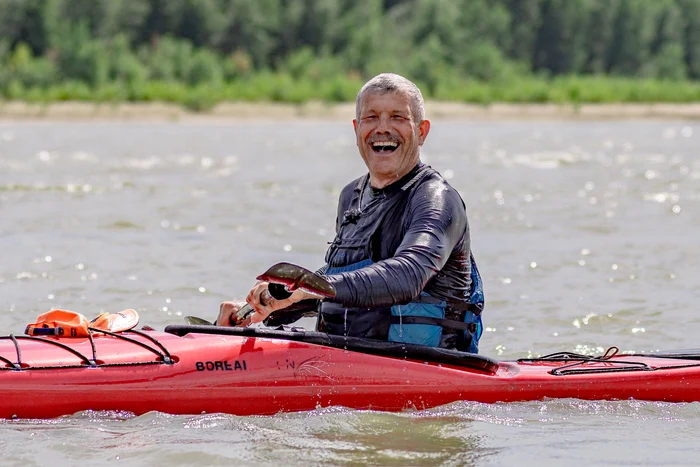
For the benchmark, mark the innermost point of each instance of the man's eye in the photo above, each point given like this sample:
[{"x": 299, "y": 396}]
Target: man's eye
[{"x": 370, "y": 117}]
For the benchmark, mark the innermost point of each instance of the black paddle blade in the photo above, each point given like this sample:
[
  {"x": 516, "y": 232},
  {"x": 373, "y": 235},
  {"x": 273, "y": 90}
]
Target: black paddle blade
[
  {"x": 295, "y": 277},
  {"x": 194, "y": 321}
]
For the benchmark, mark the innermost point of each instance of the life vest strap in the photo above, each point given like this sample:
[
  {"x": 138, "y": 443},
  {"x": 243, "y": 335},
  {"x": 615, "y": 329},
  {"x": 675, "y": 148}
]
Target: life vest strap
[
  {"x": 444, "y": 323},
  {"x": 475, "y": 308}
]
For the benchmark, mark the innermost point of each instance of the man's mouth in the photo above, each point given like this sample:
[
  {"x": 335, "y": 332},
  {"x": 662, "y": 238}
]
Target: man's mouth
[{"x": 384, "y": 147}]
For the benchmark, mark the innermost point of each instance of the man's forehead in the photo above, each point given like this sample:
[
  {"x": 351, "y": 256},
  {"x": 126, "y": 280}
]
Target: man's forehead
[{"x": 396, "y": 99}]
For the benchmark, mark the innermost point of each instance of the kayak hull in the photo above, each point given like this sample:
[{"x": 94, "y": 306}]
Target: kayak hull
[{"x": 262, "y": 375}]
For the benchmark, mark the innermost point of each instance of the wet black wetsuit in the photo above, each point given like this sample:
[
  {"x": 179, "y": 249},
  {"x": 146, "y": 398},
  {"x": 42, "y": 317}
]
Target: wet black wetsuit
[{"x": 392, "y": 244}]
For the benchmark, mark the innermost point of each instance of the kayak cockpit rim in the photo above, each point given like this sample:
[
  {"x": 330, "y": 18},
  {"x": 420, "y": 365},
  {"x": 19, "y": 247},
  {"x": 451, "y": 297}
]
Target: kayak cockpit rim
[{"x": 354, "y": 344}]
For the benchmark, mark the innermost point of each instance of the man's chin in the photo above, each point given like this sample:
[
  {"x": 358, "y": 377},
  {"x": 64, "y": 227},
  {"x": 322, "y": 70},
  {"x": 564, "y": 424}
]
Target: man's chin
[
  {"x": 387, "y": 172},
  {"x": 383, "y": 165}
]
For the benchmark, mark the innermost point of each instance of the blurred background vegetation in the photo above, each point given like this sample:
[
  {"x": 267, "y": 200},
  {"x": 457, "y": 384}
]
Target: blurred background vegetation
[{"x": 200, "y": 52}]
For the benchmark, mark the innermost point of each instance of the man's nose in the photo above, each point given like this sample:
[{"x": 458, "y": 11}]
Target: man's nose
[{"x": 383, "y": 125}]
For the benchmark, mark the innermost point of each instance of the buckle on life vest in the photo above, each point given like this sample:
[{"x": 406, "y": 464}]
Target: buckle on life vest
[{"x": 66, "y": 323}]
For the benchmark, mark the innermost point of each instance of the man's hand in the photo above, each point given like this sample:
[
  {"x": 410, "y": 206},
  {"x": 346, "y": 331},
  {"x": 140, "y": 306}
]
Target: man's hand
[
  {"x": 263, "y": 303},
  {"x": 226, "y": 311}
]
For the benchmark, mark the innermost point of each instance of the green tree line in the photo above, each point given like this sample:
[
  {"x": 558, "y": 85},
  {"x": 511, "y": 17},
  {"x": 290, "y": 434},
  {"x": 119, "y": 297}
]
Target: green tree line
[{"x": 199, "y": 52}]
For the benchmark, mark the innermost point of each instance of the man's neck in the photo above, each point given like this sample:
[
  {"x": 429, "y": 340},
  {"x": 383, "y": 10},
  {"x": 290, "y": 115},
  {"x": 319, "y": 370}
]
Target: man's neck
[{"x": 379, "y": 181}]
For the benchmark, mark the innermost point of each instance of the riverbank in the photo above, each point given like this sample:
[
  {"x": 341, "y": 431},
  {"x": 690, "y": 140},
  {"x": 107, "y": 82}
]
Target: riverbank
[{"x": 156, "y": 111}]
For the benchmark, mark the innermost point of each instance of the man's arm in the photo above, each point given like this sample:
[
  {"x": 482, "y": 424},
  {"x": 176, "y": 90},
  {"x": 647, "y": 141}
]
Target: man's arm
[{"x": 437, "y": 221}]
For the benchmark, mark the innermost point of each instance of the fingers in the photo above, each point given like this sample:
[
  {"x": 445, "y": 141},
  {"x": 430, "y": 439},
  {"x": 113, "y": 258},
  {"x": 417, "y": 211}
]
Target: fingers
[
  {"x": 226, "y": 311},
  {"x": 262, "y": 302},
  {"x": 259, "y": 316},
  {"x": 265, "y": 297},
  {"x": 254, "y": 295}
]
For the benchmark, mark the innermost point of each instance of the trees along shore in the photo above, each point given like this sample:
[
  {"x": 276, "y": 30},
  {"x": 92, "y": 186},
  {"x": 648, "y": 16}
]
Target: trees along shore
[{"x": 201, "y": 54}]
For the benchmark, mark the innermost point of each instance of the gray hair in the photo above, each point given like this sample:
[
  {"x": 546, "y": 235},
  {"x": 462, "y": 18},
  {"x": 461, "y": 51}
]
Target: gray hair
[{"x": 390, "y": 82}]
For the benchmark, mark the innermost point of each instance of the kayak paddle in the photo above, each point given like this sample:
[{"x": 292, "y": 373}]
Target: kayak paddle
[
  {"x": 194, "y": 321},
  {"x": 284, "y": 278},
  {"x": 294, "y": 277}
]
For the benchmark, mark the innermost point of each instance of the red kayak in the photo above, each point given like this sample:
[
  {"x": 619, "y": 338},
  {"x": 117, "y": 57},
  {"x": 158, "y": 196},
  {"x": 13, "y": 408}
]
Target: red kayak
[{"x": 247, "y": 371}]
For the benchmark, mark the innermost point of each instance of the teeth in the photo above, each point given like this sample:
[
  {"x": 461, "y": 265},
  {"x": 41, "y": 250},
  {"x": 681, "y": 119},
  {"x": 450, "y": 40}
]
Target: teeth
[{"x": 384, "y": 144}]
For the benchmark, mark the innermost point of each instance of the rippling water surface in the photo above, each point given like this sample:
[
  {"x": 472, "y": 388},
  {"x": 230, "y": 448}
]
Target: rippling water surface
[{"x": 586, "y": 234}]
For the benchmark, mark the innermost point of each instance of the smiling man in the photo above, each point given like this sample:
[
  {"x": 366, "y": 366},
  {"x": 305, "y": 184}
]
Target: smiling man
[{"x": 401, "y": 260}]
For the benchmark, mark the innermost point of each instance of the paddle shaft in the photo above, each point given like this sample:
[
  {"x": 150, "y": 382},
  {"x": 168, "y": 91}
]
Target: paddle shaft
[{"x": 242, "y": 317}]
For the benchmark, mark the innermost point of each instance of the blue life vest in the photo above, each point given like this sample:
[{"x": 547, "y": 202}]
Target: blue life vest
[{"x": 408, "y": 327}]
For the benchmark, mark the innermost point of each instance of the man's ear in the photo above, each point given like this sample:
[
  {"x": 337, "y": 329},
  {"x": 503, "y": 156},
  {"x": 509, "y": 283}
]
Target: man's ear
[
  {"x": 423, "y": 130},
  {"x": 354, "y": 126}
]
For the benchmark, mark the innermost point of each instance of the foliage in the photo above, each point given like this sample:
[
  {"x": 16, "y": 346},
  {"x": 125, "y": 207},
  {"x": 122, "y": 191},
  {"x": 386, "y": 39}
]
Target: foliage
[{"x": 200, "y": 52}]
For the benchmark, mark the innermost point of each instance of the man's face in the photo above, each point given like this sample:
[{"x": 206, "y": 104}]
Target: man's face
[{"x": 388, "y": 136}]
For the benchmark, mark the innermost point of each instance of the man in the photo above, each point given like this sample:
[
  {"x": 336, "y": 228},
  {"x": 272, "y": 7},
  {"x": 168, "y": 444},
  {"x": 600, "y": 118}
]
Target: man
[{"x": 401, "y": 261}]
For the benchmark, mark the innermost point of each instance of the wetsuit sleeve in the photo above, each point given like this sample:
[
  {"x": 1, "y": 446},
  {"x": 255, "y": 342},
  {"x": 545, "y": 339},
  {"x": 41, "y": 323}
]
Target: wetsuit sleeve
[{"x": 435, "y": 222}]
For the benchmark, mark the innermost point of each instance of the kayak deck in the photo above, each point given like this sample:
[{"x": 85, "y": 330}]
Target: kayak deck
[{"x": 247, "y": 371}]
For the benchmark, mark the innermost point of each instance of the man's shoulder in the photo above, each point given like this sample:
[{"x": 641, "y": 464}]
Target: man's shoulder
[
  {"x": 436, "y": 184},
  {"x": 352, "y": 186}
]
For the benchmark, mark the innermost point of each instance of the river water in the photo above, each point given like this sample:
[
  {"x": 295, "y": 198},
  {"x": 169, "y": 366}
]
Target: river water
[{"x": 586, "y": 234}]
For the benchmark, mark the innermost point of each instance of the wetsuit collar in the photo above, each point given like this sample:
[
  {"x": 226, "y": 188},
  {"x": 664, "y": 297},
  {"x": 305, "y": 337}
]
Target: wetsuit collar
[{"x": 364, "y": 181}]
